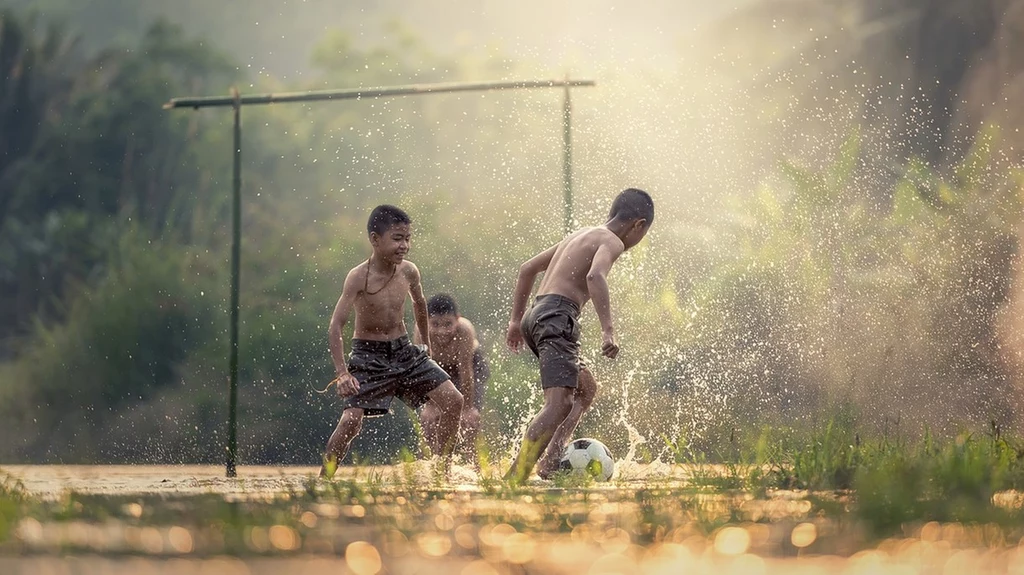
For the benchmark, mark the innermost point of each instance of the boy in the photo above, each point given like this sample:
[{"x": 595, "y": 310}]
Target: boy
[
  {"x": 383, "y": 363},
  {"x": 457, "y": 351},
  {"x": 575, "y": 270}
]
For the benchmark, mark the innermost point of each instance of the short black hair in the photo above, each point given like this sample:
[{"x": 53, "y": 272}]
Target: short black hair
[
  {"x": 632, "y": 204},
  {"x": 383, "y": 217},
  {"x": 442, "y": 304}
]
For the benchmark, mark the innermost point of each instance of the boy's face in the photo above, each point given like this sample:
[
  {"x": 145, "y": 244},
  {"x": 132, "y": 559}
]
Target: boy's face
[
  {"x": 393, "y": 245},
  {"x": 636, "y": 232},
  {"x": 442, "y": 326}
]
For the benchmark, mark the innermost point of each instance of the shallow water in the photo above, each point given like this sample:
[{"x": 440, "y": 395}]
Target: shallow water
[{"x": 50, "y": 481}]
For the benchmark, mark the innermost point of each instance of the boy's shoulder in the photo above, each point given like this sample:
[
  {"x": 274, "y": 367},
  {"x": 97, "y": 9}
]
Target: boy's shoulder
[
  {"x": 592, "y": 230},
  {"x": 357, "y": 274},
  {"x": 360, "y": 268},
  {"x": 466, "y": 325},
  {"x": 409, "y": 269},
  {"x": 600, "y": 233},
  {"x": 404, "y": 267}
]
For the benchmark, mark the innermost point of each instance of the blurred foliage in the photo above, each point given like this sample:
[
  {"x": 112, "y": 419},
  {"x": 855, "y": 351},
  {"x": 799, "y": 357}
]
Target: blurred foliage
[
  {"x": 12, "y": 503},
  {"x": 94, "y": 157},
  {"x": 119, "y": 344},
  {"x": 821, "y": 303}
]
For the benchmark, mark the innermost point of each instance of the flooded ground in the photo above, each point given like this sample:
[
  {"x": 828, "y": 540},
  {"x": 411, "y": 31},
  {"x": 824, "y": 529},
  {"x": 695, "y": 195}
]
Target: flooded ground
[
  {"x": 50, "y": 481},
  {"x": 406, "y": 519}
]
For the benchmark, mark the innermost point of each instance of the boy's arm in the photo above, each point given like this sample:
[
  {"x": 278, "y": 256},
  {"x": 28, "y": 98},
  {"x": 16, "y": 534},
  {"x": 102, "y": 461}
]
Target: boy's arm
[
  {"x": 597, "y": 285},
  {"x": 347, "y": 385},
  {"x": 466, "y": 337},
  {"x": 419, "y": 305},
  {"x": 524, "y": 283}
]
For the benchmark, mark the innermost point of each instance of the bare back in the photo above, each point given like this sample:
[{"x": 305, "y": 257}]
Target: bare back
[{"x": 566, "y": 274}]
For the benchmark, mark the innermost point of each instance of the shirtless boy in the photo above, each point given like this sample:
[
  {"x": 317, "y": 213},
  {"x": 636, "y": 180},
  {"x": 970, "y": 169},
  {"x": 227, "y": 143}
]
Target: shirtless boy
[
  {"x": 575, "y": 271},
  {"x": 384, "y": 363},
  {"x": 457, "y": 351}
]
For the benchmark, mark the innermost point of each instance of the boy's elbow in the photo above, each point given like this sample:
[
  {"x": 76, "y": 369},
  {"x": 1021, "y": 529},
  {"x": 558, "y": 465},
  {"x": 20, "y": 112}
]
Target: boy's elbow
[
  {"x": 334, "y": 329},
  {"x": 593, "y": 277}
]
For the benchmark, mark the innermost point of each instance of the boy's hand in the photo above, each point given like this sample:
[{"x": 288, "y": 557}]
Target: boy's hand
[
  {"x": 347, "y": 385},
  {"x": 514, "y": 338},
  {"x": 609, "y": 348}
]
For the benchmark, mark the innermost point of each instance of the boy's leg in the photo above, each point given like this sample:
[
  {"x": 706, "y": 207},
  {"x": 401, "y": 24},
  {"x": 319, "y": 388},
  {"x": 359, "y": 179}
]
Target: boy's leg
[
  {"x": 430, "y": 417},
  {"x": 473, "y": 415},
  {"x": 349, "y": 425},
  {"x": 448, "y": 401},
  {"x": 558, "y": 402},
  {"x": 586, "y": 391},
  {"x": 470, "y": 428}
]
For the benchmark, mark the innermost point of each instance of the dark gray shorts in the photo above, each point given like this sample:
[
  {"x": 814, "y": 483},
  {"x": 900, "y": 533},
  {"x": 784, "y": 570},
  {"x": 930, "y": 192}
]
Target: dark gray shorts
[
  {"x": 551, "y": 328},
  {"x": 481, "y": 373},
  {"x": 388, "y": 369}
]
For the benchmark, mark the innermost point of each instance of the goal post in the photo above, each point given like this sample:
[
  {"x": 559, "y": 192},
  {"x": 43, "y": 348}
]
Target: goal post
[{"x": 236, "y": 101}]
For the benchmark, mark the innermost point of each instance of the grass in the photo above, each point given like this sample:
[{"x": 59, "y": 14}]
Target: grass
[
  {"x": 890, "y": 481},
  {"x": 13, "y": 499},
  {"x": 858, "y": 490}
]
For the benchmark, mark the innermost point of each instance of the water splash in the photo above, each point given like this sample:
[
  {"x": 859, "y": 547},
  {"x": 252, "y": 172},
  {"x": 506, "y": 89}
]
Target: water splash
[{"x": 635, "y": 437}]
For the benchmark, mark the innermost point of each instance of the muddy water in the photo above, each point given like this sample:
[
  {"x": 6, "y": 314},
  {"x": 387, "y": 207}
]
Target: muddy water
[{"x": 50, "y": 481}]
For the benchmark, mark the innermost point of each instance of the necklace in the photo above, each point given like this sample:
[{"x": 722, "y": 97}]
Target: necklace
[{"x": 366, "y": 282}]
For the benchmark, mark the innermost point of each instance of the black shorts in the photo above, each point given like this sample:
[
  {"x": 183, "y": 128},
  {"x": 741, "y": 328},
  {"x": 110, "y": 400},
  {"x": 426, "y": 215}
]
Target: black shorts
[
  {"x": 481, "y": 373},
  {"x": 388, "y": 369},
  {"x": 551, "y": 329}
]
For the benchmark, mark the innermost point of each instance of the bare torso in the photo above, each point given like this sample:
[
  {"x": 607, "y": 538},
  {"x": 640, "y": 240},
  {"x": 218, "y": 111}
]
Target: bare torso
[
  {"x": 380, "y": 315},
  {"x": 449, "y": 352},
  {"x": 567, "y": 272}
]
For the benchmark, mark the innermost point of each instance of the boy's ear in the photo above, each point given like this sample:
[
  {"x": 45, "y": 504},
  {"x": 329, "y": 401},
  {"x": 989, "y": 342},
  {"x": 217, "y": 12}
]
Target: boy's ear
[{"x": 374, "y": 238}]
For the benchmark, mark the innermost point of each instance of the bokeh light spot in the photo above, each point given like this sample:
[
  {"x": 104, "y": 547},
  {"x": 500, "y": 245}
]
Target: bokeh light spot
[{"x": 363, "y": 558}]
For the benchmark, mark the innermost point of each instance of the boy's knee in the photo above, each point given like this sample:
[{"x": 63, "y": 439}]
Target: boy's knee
[
  {"x": 429, "y": 413},
  {"x": 563, "y": 400},
  {"x": 448, "y": 400},
  {"x": 455, "y": 400},
  {"x": 586, "y": 387},
  {"x": 351, "y": 420},
  {"x": 446, "y": 396}
]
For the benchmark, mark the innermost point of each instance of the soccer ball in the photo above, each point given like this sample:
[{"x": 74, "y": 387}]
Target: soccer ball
[{"x": 588, "y": 456}]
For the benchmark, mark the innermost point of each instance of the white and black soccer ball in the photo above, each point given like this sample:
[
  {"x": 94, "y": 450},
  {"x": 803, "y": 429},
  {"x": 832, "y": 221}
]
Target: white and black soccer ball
[{"x": 588, "y": 456}]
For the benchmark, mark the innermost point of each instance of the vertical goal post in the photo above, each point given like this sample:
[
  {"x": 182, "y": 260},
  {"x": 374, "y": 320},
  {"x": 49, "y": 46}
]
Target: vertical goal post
[{"x": 236, "y": 100}]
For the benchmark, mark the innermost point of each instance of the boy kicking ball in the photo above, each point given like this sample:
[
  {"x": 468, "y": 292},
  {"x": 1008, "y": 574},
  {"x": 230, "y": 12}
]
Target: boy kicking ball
[{"x": 575, "y": 271}]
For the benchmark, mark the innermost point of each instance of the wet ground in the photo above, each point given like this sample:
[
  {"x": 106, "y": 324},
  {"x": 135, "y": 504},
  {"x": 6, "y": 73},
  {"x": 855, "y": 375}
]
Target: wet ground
[
  {"x": 51, "y": 481},
  {"x": 405, "y": 520}
]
